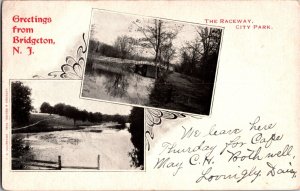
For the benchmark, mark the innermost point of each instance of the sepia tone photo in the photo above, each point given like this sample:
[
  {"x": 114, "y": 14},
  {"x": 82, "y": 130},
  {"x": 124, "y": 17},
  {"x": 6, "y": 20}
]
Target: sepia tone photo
[
  {"x": 52, "y": 130},
  {"x": 151, "y": 62}
]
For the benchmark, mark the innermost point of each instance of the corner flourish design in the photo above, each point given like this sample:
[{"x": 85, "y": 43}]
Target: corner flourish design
[
  {"x": 73, "y": 67},
  {"x": 154, "y": 117}
]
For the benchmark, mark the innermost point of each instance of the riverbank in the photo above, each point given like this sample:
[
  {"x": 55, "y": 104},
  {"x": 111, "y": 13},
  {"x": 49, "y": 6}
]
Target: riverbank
[{"x": 42, "y": 122}]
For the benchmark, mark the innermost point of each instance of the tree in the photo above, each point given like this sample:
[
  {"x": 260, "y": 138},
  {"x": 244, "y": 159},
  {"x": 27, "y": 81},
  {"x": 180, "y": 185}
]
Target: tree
[
  {"x": 191, "y": 56},
  {"x": 120, "y": 119},
  {"x": 168, "y": 52},
  {"x": 21, "y": 103},
  {"x": 46, "y": 108},
  {"x": 107, "y": 50},
  {"x": 199, "y": 56},
  {"x": 156, "y": 35},
  {"x": 59, "y": 109},
  {"x": 72, "y": 113},
  {"x": 91, "y": 117},
  {"x": 84, "y": 115},
  {"x": 124, "y": 46},
  {"x": 98, "y": 117},
  {"x": 136, "y": 119},
  {"x": 210, "y": 39}
]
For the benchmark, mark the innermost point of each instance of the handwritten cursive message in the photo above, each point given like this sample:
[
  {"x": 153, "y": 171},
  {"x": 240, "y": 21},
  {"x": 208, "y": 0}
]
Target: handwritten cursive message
[{"x": 256, "y": 151}]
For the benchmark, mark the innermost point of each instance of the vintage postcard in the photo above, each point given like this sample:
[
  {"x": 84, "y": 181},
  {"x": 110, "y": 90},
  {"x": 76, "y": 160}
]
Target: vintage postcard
[{"x": 142, "y": 95}]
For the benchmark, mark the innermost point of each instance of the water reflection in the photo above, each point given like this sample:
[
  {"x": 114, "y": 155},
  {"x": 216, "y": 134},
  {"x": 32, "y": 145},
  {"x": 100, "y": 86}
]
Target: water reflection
[{"x": 117, "y": 83}]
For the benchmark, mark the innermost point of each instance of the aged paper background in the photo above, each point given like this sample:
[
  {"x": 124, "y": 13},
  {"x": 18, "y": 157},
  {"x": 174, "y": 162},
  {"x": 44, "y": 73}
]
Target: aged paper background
[{"x": 258, "y": 75}]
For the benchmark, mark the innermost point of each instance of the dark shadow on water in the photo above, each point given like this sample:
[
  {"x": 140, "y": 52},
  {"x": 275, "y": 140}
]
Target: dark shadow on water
[
  {"x": 95, "y": 131},
  {"x": 115, "y": 84}
]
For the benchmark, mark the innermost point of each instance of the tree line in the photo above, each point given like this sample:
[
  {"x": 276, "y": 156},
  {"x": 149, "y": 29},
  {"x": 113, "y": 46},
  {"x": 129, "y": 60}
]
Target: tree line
[
  {"x": 81, "y": 115},
  {"x": 122, "y": 48},
  {"x": 22, "y": 106},
  {"x": 197, "y": 57}
]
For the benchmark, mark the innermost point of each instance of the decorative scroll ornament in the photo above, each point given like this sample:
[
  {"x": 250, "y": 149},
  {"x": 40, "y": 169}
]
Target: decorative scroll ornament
[
  {"x": 154, "y": 117},
  {"x": 73, "y": 67}
]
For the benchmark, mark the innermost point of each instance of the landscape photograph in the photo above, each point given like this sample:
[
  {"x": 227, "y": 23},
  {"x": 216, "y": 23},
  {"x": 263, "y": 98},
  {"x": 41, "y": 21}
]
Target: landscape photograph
[
  {"x": 53, "y": 129},
  {"x": 151, "y": 62}
]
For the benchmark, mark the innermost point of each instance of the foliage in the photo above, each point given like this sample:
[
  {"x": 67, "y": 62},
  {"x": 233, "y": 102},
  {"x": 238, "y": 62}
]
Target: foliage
[
  {"x": 74, "y": 113},
  {"x": 107, "y": 50},
  {"x": 124, "y": 46},
  {"x": 18, "y": 148},
  {"x": 46, "y": 108},
  {"x": 136, "y": 118},
  {"x": 168, "y": 53},
  {"x": 162, "y": 92},
  {"x": 158, "y": 36},
  {"x": 21, "y": 103},
  {"x": 199, "y": 56}
]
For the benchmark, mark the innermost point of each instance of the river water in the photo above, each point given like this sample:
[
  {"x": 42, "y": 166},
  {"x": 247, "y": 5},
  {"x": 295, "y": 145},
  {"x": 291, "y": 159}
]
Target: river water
[
  {"x": 116, "y": 83},
  {"x": 80, "y": 147}
]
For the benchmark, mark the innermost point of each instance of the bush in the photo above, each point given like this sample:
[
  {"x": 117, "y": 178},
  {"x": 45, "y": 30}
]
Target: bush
[{"x": 136, "y": 129}]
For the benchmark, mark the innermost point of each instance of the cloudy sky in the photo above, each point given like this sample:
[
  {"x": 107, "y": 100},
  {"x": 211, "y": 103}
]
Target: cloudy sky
[
  {"x": 67, "y": 91},
  {"x": 109, "y": 25}
]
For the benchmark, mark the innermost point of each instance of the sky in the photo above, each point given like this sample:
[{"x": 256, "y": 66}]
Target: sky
[
  {"x": 108, "y": 26},
  {"x": 67, "y": 92}
]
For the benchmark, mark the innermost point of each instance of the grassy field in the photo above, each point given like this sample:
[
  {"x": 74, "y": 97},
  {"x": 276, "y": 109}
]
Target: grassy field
[
  {"x": 43, "y": 122},
  {"x": 183, "y": 93}
]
